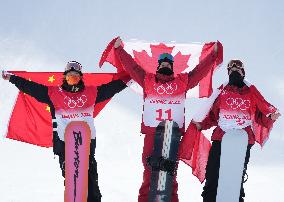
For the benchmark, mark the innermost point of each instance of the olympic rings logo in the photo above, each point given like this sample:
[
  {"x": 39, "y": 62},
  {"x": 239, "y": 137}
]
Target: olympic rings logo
[
  {"x": 167, "y": 88},
  {"x": 238, "y": 103},
  {"x": 72, "y": 103}
]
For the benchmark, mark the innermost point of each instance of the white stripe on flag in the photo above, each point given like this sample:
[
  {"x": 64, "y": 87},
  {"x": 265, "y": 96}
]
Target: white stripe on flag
[
  {"x": 136, "y": 45},
  {"x": 194, "y": 92}
]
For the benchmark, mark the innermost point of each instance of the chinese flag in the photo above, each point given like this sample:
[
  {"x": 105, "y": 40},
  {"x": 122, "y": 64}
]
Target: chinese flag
[{"x": 30, "y": 121}]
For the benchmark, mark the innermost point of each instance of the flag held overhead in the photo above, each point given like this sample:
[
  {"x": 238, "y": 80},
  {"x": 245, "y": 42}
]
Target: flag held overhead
[{"x": 186, "y": 57}]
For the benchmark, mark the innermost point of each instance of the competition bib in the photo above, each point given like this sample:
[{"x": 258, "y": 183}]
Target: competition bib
[
  {"x": 235, "y": 111},
  {"x": 165, "y": 108},
  {"x": 70, "y": 107}
]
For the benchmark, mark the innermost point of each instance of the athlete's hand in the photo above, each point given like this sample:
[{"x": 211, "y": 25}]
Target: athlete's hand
[
  {"x": 216, "y": 47},
  {"x": 197, "y": 124},
  {"x": 275, "y": 116},
  {"x": 117, "y": 43},
  {"x": 6, "y": 75}
]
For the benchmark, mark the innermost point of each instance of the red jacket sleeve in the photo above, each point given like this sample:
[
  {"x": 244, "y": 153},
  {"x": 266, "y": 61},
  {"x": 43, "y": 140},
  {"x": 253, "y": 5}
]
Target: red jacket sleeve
[
  {"x": 212, "y": 117},
  {"x": 263, "y": 106},
  {"x": 201, "y": 70},
  {"x": 263, "y": 120},
  {"x": 136, "y": 72}
]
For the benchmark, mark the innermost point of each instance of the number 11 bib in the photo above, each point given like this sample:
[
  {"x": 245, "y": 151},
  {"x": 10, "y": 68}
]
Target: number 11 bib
[{"x": 164, "y": 101}]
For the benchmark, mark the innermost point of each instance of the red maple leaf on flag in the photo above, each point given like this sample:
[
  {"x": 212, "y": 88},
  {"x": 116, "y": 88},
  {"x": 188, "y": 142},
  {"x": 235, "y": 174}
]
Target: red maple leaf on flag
[{"x": 150, "y": 63}]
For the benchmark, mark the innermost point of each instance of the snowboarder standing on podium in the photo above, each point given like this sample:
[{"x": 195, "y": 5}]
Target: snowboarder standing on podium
[
  {"x": 68, "y": 99},
  {"x": 166, "y": 86},
  {"x": 239, "y": 105}
]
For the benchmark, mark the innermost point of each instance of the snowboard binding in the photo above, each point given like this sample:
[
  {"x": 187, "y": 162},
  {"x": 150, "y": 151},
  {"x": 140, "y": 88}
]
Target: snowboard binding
[{"x": 160, "y": 163}]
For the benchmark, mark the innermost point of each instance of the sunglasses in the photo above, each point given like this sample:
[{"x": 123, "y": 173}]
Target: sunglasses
[
  {"x": 166, "y": 56},
  {"x": 235, "y": 63},
  {"x": 73, "y": 66}
]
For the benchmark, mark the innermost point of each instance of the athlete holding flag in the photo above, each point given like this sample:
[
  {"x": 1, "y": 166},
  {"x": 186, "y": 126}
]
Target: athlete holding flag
[
  {"x": 241, "y": 116},
  {"x": 164, "y": 99},
  {"x": 73, "y": 97}
]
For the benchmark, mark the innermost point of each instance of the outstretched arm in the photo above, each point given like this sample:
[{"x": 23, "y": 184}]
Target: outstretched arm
[
  {"x": 136, "y": 72},
  {"x": 38, "y": 91},
  {"x": 107, "y": 91},
  {"x": 263, "y": 120},
  {"x": 202, "y": 69},
  {"x": 264, "y": 108}
]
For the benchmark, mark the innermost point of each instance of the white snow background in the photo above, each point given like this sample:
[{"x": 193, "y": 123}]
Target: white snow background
[{"x": 44, "y": 35}]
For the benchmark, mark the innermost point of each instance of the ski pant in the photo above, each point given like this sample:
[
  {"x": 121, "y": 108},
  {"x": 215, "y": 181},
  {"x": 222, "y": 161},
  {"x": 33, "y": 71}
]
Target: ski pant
[
  {"x": 212, "y": 173},
  {"x": 145, "y": 187},
  {"x": 94, "y": 194}
]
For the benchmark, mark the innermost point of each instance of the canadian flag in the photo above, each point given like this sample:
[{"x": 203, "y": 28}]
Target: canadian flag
[
  {"x": 186, "y": 57},
  {"x": 194, "y": 148}
]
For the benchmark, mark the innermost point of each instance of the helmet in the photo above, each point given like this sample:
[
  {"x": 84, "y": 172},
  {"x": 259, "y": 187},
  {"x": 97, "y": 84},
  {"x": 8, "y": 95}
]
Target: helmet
[
  {"x": 166, "y": 57},
  {"x": 73, "y": 66}
]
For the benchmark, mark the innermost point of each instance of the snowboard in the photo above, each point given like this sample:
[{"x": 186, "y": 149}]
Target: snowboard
[
  {"x": 233, "y": 153},
  {"x": 163, "y": 161},
  {"x": 77, "y": 150}
]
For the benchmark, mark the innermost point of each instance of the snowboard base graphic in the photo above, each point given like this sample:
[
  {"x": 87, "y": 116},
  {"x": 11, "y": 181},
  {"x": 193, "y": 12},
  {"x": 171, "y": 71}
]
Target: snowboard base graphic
[{"x": 77, "y": 149}]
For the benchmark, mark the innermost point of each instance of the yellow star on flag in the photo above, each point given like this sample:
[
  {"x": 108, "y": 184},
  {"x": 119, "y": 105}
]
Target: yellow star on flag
[
  {"x": 47, "y": 108},
  {"x": 51, "y": 79}
]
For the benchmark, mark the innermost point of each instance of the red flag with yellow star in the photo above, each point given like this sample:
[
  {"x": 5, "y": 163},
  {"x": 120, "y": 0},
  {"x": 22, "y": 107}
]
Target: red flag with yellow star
[{"x": 30, "y": 121}]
